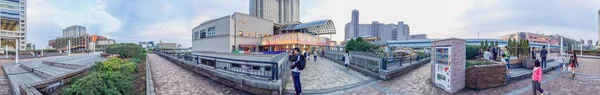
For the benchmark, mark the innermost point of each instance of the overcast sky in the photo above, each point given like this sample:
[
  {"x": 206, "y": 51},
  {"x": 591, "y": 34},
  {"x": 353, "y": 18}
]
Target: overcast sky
[{"x": 132, "y": 21}]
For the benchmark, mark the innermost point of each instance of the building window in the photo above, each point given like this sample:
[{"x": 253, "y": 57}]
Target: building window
[
  {"x": 211, "y": 31},
  {"x": 253, "y": 34},
  {"x": 203, "y": 33},
  {"x": 195, "y": 35},
  {"x": 241, "y": 33},
  {"x": 247, "y": 33}
]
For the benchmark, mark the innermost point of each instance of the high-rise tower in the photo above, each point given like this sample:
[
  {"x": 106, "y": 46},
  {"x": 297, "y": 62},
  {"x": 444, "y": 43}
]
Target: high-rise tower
[{"x": 278, "y": 11}]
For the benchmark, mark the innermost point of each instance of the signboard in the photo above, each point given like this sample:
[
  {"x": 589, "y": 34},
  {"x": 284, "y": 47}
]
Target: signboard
[
  {"x": 294, "y": 38},
  {"x": 442, "y": 67}
]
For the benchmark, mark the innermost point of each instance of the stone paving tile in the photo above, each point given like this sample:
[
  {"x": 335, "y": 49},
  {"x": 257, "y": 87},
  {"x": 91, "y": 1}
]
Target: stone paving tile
[
  {"x": 171, "y": 79},
  {"x": 325, "y": 74},
  {"x": 417, "y": 82}
]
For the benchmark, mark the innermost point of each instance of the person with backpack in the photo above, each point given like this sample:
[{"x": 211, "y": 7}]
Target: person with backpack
[
  {"x": 537, "y": 78},
  {"x": 347, "y": 59},
  {"x": 298, "y": 64}
]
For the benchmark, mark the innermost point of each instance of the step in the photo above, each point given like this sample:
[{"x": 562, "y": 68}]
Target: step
[
  {"x": 24, "y": 78},
  {"x": 51, "y": 71}
]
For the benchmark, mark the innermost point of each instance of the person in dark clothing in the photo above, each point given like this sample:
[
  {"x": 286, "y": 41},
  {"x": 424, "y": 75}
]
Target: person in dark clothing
[
  {"x": 533, "y": 53},
  {"x": 574, "y": 63},
  {"x": 543, "y": 54},
  {"x": 296, "y": 71},
  {"x": 494, "y": 53}
]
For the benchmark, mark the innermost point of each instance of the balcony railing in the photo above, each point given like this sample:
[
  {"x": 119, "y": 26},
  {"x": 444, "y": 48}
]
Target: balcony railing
[{"x": 261, "y": 69}]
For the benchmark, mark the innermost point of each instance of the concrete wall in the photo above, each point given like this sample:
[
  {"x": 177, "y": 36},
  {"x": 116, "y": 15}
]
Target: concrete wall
[
  {"x": 495, "y": 75},
  {"x": 216, "y": 44}
]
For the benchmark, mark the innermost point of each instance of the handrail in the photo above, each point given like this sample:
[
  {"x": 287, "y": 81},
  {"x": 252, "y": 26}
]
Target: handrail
[{"x": 274, "y": 66}]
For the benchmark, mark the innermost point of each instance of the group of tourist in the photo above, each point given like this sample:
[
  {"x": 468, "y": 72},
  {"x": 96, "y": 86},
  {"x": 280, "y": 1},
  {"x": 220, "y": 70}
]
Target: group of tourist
[{"x": 539, "y": 65}]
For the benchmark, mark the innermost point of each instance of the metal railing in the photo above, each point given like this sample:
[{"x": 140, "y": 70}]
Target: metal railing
[
  {"x": 264, "y": 69},
  {"x": 375, "y": 64},
  {"x": 398, "y": 62}
]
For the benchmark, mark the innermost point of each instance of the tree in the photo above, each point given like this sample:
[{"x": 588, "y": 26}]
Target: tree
[
  {"x": 360, "y": 45},
  {"x": 485, "y": 45},
  {"x": 481, "y": 45},
  {"x": 496, "y": 45}
]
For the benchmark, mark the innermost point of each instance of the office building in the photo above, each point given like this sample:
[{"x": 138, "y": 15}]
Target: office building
[
  {"x": 532, "y": 37},
  {"x": 13, "y": 18},
  {"x": 278, "y": 11},
  {"x": 380, "y": 31},
  {"x": 162, "y": 45},
  {"x": 244, "y": 33},
  {"x": 590, "y": 45},
  {"x": 568, "y": 43},
  {"x": 74, "y": 31}
]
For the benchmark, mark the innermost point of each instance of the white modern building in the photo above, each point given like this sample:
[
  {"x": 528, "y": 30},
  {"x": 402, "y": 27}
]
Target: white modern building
[
  {"x": 385, "y": 32},
  {"x": 227, "y": 33},
  {"x": 278, "y": 11},
  {"x": 13, "y": 16},
  {"x": 74, "y": 31}
]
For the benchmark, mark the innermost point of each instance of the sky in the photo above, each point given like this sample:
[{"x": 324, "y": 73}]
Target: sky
[{"x": 132, "y": 21}]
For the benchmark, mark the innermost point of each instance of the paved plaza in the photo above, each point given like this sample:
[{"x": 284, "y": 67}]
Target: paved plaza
[
  {"x": 586, "y": 82},
  {"x": 324, "y": 76},
  {"x": 171, "y": 79}
]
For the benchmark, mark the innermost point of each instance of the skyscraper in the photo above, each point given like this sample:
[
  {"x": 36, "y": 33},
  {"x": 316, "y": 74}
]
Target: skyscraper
[
  {"x": 13, "y": 17},
  {"x": 278, "y": 11},
  {"x": 354, "y": 22},
  {"x": 74, "y": 31}
]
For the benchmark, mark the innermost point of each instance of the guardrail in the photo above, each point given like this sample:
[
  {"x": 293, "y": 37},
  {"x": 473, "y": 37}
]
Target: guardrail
[
  {"x": 262, "y": 69},
  {"x": 397, "y": 62}
]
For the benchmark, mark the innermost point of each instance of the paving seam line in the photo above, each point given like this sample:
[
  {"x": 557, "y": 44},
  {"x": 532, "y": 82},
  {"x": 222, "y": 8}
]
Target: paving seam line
[
  {"x": 347, "y": 72},
  {"x": 149, "y": 80},
  {"x": 529, "y": 87}
]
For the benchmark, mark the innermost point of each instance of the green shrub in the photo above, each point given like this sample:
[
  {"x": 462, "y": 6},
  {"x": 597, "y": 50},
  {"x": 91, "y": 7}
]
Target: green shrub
[
  {"x": 102, "y": 83},
  {"x": 477, "y": 62},
  {"x": 471, "y": 51},
  {"x": 127, "y": 50},
  {"x": 116, "y": 64}
]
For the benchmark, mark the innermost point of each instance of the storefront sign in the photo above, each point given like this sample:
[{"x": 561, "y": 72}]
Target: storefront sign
[{"x": 294, "y": 38}]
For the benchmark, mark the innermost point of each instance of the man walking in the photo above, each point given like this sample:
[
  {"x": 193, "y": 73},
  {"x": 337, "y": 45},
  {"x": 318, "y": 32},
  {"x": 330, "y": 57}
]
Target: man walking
[
  {"x": 543, "y": 54},
  {"x": 494, "y": 53},
  {"x": 533, "y": 53}
]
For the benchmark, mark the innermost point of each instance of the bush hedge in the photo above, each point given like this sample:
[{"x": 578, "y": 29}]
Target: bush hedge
[
  {"x": 127, "y": 50},
  {"x": 471, "y": 51},
  {"x": 111, "y": 77}
]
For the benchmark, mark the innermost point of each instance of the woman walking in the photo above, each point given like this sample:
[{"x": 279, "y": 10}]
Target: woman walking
[
  {"x": 507, "y": 59},
  {"x": 573, "y": 64},
  {"x": 347, "y": 59},
  {"x": 537, "y": 78}
]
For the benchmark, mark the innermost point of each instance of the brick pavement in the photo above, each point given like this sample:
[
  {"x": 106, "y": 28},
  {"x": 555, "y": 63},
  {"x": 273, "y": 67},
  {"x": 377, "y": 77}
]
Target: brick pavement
[
  {"x": 325, "y": 74},
  {"x": 417, "y": 82},
  {"x": 171, "y": 79}
]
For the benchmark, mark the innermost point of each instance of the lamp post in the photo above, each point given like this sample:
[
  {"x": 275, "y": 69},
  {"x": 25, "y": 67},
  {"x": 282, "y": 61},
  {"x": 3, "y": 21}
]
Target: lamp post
[
  {"x": 17, "y": 50},
  {"x": 69, "y": 47}
]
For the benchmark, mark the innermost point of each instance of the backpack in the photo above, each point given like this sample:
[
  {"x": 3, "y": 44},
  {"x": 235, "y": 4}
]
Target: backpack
[{"x": 302, "y": 62}]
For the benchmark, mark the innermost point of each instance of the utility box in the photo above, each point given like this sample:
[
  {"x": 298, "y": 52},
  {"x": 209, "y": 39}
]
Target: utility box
[{"x": 448, "y": 68}]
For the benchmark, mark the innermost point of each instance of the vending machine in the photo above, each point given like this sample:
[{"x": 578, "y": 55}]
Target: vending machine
[
  {"x": 442, "y": 67},
  {"x": 448, "y": 60}
]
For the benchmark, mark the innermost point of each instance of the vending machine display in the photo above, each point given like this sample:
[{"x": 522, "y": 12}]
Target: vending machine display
[{"x": 442, "y": 66}]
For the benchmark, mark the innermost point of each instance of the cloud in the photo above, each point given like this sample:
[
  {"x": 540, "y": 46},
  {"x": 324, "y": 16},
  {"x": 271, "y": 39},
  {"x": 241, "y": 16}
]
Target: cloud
[
  {"x": 47, "y": 18},
  {"x": 498, "y": 17}
]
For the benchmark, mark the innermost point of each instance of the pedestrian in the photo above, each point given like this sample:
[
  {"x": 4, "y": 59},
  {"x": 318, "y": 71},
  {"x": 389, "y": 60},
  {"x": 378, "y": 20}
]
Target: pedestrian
[
  {"x": 347, "y": 59},
  {"x": 315, "y": 55},
  {"x": 543, "y": 54},
  {"x": 507, "y": 59},
  {"x": 307, "y": 54},
  {"x": 296, "y": 69},
  {"x": 561, "y": 61},
  {"x": 533, "y": 53},
  {"x": 537, "y": 78},
  {"x": 322, "y": 53},
  {"x": 574, "y": 64},
  {"x": 486, "y": 54},
  {"x": 494, "y": 53}
]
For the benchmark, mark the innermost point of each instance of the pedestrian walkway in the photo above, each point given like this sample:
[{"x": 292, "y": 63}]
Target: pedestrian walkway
[
  {"x": 524, "y": 73},
  {"x": 171, "y": 79},
  {"x": 324, "y": 76}
]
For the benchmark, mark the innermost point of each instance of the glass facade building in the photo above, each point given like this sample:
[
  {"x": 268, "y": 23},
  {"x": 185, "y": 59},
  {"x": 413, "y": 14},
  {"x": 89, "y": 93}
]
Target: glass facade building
[{"x": 13, "y": 18}]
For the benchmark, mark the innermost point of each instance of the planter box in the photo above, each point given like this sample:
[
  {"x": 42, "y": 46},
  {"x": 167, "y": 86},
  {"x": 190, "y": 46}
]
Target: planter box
[
  {"x": 527, "y": 63},
  {"x": 485, "y": 76}
]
